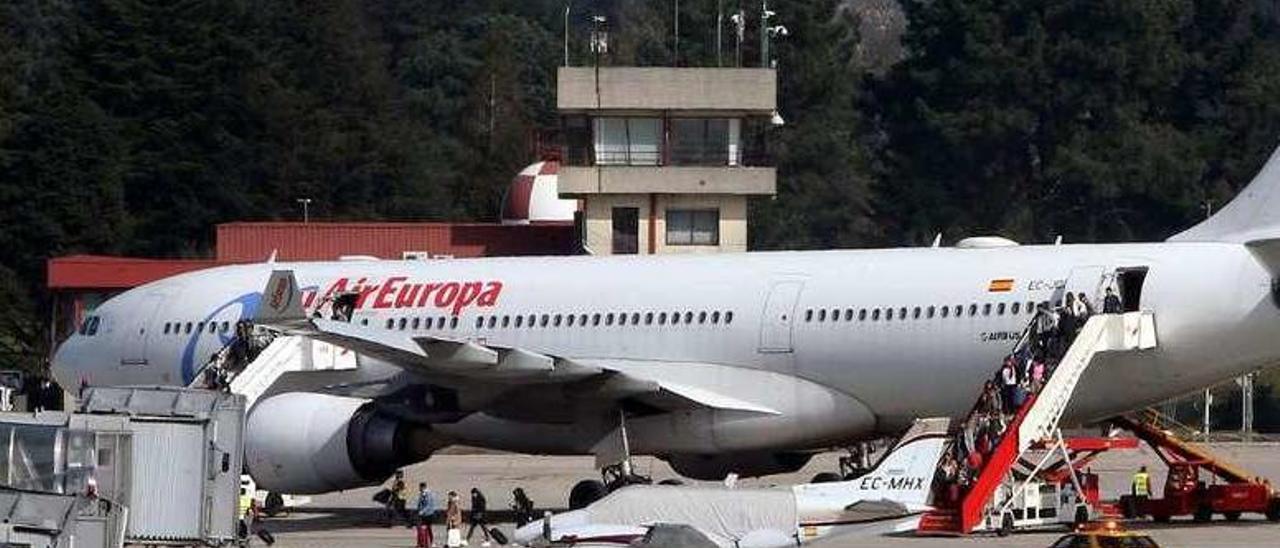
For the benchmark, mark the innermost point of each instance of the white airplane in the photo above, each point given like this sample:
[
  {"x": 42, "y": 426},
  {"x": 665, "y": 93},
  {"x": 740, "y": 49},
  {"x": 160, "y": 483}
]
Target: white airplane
[
  {"x": 890, "y": 497},
  {"x": 724, "y": 363}
]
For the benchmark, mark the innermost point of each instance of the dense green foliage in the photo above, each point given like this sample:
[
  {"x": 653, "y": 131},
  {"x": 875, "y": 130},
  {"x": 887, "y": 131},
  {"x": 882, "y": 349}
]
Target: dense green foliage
[{"x": 134, "y": 126}]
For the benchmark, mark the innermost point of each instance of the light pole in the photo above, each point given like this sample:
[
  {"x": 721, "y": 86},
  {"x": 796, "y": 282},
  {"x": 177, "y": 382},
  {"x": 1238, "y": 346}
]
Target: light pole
[{"x": 306, "y": 209}]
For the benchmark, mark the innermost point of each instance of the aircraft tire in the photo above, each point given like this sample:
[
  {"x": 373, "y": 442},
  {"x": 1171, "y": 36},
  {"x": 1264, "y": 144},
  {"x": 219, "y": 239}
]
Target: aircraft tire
[
  {"x": 825, "y": 477},
  {"x": 273, "y": 504},
  {"x": 1204, "y": 514},
  {"x": 1006, "y": 526},
  {"x": 585, "y": 493}
]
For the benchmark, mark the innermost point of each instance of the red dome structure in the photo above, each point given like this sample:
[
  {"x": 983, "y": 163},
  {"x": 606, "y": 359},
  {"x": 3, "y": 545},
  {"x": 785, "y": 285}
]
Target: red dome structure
[{"x": 533, "y": 197}]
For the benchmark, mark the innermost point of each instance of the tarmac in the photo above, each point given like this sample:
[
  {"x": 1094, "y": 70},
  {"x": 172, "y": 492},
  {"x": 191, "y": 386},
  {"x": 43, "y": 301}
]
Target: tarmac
[{"x": 351, "y": 518}]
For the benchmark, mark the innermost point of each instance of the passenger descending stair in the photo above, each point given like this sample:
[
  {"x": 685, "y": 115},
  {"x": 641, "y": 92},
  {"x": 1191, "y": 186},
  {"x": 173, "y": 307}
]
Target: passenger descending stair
[
  {"x": 1038, "y": 417},
  {"x": 287, "y": 354}
]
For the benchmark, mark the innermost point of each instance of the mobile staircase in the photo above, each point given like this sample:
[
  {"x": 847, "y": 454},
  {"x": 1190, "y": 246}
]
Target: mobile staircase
[
  {"x": 1033, "y": 427},
  {"x": 284, "y": 354}
]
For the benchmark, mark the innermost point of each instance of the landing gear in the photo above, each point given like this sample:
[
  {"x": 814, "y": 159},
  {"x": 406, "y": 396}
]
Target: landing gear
[
  {"x": 273, "y": 504},
  {"x": 585, "y": 493}
]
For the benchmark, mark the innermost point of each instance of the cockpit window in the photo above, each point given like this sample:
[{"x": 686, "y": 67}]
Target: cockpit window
[{"x": 93, "y": 326}]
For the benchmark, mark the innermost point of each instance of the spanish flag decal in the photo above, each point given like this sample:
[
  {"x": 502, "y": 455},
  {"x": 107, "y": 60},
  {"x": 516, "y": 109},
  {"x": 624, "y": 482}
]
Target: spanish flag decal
[{"x": 1000, "y": 286}]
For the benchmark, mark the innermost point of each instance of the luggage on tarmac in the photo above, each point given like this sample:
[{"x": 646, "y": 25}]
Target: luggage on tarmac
[
  {"x": 498, "y": 537},
  {"x": 424, "y": 535}
]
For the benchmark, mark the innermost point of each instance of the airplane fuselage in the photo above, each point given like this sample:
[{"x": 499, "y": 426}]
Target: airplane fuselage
[{"x": 894, "y": 334}]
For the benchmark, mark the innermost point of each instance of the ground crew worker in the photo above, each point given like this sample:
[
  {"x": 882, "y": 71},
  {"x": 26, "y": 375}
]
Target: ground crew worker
[{"x": 1141, "y": 483}]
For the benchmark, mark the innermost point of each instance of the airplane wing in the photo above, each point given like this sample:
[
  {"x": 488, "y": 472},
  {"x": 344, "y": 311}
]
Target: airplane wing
[{"x": 461, "y": 362}]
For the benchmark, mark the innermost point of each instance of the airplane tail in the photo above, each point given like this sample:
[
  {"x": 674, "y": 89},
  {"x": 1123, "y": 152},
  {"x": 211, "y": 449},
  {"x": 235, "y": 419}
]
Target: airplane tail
[
  {"x": 904, "y": 476},
  {"x": 281, "y": 303},
  {"x": 1252, "y": 216}
]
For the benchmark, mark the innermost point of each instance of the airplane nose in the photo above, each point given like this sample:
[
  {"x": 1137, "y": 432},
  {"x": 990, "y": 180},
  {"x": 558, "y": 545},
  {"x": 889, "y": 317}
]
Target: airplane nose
[{"x": 65, "y": 368}]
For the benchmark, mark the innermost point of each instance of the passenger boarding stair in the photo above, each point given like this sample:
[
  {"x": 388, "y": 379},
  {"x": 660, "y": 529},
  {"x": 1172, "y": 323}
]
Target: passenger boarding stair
[
  {"x": 1036, "y": 421},
  {"x": 284, "y": 354}
]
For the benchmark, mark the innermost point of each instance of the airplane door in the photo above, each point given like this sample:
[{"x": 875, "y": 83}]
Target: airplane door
[
  {"x": 133, "y": 338},
  {"x": 779, "y": 314}
]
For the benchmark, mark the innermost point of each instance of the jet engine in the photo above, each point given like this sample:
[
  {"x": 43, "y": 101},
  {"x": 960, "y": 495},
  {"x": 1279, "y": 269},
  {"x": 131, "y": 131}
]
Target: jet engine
[
  {"x": 302, "y": 443},
  {"x": 747, "y": 465}
]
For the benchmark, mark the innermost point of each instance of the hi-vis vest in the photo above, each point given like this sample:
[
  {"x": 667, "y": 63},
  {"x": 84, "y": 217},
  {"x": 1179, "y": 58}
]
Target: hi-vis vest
[{"x": 1141, "y": 484}]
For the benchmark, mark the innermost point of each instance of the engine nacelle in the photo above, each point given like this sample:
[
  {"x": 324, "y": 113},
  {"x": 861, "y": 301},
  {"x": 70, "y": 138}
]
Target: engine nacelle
[
  {"x": 747, "y": 465},
  {"x": 304, "y": 443}
]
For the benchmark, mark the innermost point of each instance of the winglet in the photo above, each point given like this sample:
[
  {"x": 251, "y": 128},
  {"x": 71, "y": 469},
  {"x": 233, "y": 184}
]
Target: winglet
[{"x": 281, "y": 300}]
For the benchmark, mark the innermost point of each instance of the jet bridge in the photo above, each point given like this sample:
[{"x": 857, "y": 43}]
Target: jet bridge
[
  {"x": 131, "y": 465},
  {"x": 1032, "y": 435}
]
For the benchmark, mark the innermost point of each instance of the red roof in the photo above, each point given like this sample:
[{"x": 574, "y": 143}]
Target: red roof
[
  {"x": 252, "y": 242},
  {"x": 103, "y": 272}
]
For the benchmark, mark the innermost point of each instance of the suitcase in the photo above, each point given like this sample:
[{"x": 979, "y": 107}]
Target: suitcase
[{"x": 498, "y": 537}]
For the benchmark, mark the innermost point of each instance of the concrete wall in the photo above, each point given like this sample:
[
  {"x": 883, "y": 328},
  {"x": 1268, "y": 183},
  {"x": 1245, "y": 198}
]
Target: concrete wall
[
  {"x": 599, "y": 221},
  {"x": 746, "y": 90},
  {"x": 667, "y": 180}
]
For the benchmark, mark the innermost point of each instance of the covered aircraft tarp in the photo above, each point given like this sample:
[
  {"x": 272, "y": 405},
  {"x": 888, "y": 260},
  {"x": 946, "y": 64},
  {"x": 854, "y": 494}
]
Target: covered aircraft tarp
[{"x": 724, "y": 515}]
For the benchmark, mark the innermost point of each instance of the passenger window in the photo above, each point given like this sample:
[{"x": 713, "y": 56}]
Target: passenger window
[
  {"x": 862, "y": 315},
  {"x": 688, "y": 317},
  {"x": 986, "y": 309},
  {"x": 519, "y": 321},
  {"x": 403, "y": 323},
  {"x": 715, "y": 317},
  {"x": 166, "y": 328},
  {"x": 702, "y": 317},
  {"x": 1016, "y": 308},
  {"x": 187, "y": 328},
  {"x": 822, "y": 315},
  {"x": 200, "y": 327},
  {"x": 946, "y": 311},
  {"x": 902, "y": 313},
  {"x": 915, "y": 313},
  {"x": 582, "y": 320},
  {"x": 213, "y": 327},
  {"x": 545, "y": 318},
  {"x": 848, "y": 315},
  {"x": 439, "y": 322},
  {"x": 662, "y": 318},
  {"x": 493, "y": 320},
  {"x": 675, "y": 318},
  {"x": 226, "y": 326},
  {"x": 1000, "y": 309},
  {"x": 595, "y": 319},
  {"x": 888, "y": 314},
  {"x": 959, "y": 311},
  {"x": 835, "y": 314},
  {"x": 728, "y": 317},
  {"x": 808, "y": 315},
  {"x": 569, "y": 319},
  {"x": 506, "y": 321},
  {"x": 973, "y": 310},
  {"x": 608, "y": 319},
  {"x": 391, "y": 323},
  {"x": 622, "y": 318},
  {"x": 453, "y": 322},
  {"x": 635, "y": 318},
  {"x": 556, "y": 320},
  {"x": 93, "y": 325},
  {"x": 416, "y": 323},
  {"x": 648, "y": 318},
  {"x": 931, "y": 311},
  {"x": 875, "y": 315},
  {"x": 479, "y": 322}
]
